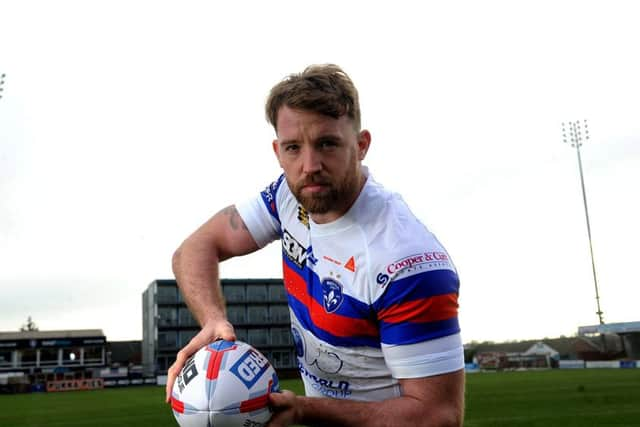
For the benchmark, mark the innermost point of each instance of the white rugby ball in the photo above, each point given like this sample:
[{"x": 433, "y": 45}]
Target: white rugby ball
[{"x": 224, "y": 384}]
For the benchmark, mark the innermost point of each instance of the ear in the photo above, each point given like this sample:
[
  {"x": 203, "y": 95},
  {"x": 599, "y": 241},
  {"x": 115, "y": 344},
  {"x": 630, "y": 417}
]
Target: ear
[
  {"x": 364, "y": 141},
  {"x": 276, "y": 150}
]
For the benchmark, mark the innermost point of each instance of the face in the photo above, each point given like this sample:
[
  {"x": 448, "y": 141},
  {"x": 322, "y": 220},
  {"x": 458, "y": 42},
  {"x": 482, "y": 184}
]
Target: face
[{"x": 321, "y": 159}]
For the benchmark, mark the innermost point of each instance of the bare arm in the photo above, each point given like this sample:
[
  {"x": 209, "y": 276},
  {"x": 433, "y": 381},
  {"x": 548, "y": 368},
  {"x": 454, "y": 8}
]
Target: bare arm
[
  {"x": 195, "y": 265},
  {"x": 429, "y": 401}
]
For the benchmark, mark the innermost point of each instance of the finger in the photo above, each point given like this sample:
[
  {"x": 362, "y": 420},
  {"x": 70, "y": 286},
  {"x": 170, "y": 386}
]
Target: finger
[
  {"x": 227, "y": 333},
  {"x": 205, "y": 336},
  {"x": 194, "y": 345},
  {"x": 280, "y": 399},
  {"x": 171, "y": 377}
]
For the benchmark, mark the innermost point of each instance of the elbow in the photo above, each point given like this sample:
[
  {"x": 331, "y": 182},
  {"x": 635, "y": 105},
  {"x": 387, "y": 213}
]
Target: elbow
[
  {"x": 176, "y": 262},
  {"x": 449, "y": 418}
]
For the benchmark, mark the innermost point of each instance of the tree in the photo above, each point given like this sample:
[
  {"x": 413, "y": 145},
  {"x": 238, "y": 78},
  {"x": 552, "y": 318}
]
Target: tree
[{"x": 29, "y": 326}]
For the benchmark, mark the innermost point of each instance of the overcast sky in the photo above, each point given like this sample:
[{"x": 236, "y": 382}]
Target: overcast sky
[{"x": 126, "y": 124}]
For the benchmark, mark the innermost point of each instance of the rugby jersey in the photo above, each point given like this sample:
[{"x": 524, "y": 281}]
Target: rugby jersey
[{"x": 372, "y": 296}]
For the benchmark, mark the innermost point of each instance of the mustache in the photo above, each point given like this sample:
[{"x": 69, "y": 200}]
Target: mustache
[{"x": 314, "y": 180}]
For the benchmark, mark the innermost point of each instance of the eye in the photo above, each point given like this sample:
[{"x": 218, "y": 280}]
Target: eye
[
  {"x": 327, "y": 143},
  {"x": 291, "y": 148}
]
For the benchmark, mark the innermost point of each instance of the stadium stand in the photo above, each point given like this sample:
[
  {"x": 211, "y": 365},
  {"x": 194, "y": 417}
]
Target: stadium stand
[
  {"x": 48, "y": 357},
  {"x": 546, "y": 353}
]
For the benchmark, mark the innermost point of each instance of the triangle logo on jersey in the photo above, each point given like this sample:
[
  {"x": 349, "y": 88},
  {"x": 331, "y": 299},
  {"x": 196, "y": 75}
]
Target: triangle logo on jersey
[{"x": 350, "y": 265}]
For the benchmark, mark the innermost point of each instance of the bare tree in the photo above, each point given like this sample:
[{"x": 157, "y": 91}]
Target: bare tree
[{"x": 29, "y": 326}]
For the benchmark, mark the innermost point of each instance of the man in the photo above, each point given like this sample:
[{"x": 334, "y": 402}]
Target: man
[{"x": 372, "y": 293}]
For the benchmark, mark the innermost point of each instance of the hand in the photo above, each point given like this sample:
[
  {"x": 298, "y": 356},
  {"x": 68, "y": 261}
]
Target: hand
[
  {"x": 286, "y": 409},
  {"x": 212, "y": 330}
]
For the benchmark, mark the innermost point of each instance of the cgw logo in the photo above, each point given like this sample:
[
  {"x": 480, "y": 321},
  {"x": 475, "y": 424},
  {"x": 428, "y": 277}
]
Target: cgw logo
[
  {"x": 250, "y": 367},
  {"x": 331, "y": 295},
  {"x": 294, "y": 250}
]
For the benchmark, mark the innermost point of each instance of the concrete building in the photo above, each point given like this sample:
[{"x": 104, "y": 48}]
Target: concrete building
[{"x": 257, "y": 308}]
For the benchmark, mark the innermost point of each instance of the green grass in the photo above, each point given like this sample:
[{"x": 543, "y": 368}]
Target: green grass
[{"x": 567, "y": 398}]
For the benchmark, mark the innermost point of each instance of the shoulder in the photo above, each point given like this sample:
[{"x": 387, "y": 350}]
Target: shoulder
[
  {"x": 400, "y": 245},
  {"x": 394, "y": 233}
]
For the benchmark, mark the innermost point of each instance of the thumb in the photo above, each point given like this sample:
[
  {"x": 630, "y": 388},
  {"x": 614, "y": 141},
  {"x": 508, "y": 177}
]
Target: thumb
[
  {"x": 281, "y": 398},
  {"x": 227, "y": 332}
]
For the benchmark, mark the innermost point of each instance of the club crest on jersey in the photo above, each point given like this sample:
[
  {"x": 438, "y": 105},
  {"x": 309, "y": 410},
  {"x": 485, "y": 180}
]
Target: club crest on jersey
[{"x": 331, "y": 295}]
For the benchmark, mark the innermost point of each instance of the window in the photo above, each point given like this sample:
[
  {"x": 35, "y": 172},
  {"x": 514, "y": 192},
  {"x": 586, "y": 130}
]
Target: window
[
  {"x": 257, "y": 314},
  {"x": 48, "y": 356},
  {"x": 237, "y": 314},
  {"x": 28, "y": 357},
  {"x": 185, "y": 337},
  {"x": 167, "y": 295},
  {"x": 241, "y": 334},
  {"x": 167, "y": 339},
  {"x": 6, "y": 358},
  {"x": 277, "y": 293},
  {"x": 280, "y": 336},
  {"x": 71, "y": 356},
  {"x": 281, "y": 359},
  {"x": 93, "y": 354},
  {"x": 234, "y": 293},
  {"x": 279, "y": 313},
  {"x": 256, "y": 292},
  {"x": 164, "y": 363},
  {"x": 259, "y": 336},
  {"x": 186, "y": 319},
  {"x": 167, "y": 316}
]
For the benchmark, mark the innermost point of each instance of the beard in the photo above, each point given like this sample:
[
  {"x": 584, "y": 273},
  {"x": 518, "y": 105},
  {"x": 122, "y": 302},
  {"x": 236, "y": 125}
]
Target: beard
[{"x": 337, "y": 195}]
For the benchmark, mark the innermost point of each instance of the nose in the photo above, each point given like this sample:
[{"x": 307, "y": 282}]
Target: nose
[{"x": 311, "y": 161}]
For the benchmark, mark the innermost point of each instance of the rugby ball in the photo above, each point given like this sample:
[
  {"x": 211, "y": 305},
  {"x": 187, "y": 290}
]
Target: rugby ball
[{"x": 224, "y": 384}]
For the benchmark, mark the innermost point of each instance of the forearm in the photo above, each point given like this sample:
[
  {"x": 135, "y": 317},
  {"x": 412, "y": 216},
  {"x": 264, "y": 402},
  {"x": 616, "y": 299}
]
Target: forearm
[
  {"x": 195, "y": 266},
  {"x": 427, "y": 401},
  {"x": 402, "y": 411}
]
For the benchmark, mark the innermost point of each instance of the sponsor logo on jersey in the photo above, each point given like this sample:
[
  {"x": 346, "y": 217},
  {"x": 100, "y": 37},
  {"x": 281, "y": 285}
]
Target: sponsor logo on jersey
[
  {"x": 350, "y": 265},
  {"x": 320, "y": 358},
  {"x": 313, "y": 260},
  {"x": 293, "y": 249},
  {"x": 303, "y": 216},
  {"x": 382, "y": 279},
  {"x": 250, "y": 367},
  {"x": 428, "y": 260},
  {"x": 331, "y": 260},
  {"x": 298, "y": 342},
  {"x": 269, "y": 194},
  {"x": 324, "y": 386},
  {"x": 331, "y": 295}
]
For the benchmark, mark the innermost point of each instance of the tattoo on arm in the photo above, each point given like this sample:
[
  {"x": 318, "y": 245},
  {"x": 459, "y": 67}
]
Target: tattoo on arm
[{"x": 235, "y": 220}]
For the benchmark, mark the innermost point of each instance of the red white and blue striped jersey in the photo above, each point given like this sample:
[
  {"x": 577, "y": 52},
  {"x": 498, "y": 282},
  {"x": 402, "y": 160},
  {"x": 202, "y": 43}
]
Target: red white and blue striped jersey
[{"x": 372, "y": 296}]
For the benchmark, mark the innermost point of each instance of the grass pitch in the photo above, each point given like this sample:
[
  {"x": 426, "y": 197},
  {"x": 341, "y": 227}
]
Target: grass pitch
[{"x": 567, "y": 398}]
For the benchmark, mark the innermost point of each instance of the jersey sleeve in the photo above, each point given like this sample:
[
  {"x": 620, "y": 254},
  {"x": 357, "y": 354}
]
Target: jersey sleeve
[
  {"x": 418, "y": 315},
  {"x": 260, "y": 214}
]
